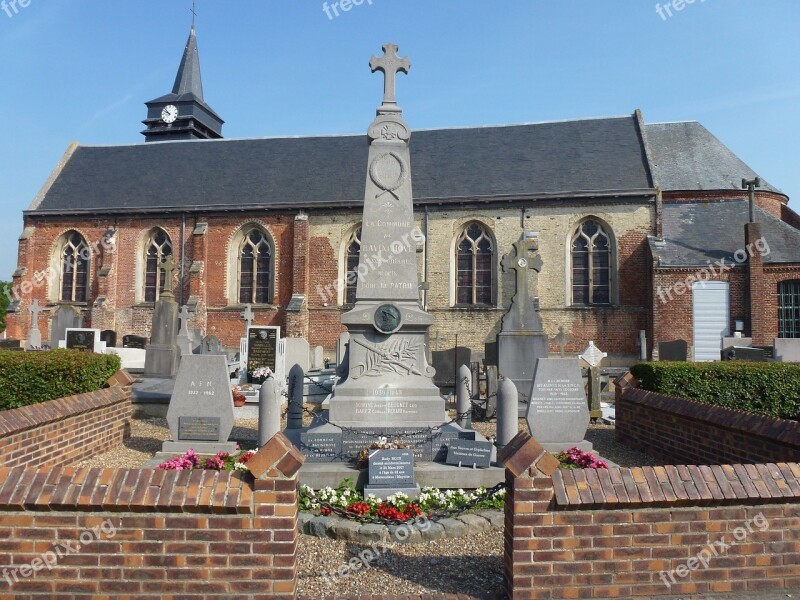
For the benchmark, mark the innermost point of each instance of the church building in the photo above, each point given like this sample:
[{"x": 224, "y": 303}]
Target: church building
[{"x": 640, "y": 226}]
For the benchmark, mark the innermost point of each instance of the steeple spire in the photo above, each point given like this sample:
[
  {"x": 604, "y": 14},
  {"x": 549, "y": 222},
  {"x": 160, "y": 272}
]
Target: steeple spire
[
  {"x": 183, "y": 114},
  {"x": 189, "y": 80}
]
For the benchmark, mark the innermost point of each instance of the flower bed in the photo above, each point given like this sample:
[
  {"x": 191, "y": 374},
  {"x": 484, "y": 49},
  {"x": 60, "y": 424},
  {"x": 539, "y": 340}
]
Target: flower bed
[
  {"x": 222, "y": 461},
  {"x": 397, "y": 506},
  {"x": 575, "y": 458}
]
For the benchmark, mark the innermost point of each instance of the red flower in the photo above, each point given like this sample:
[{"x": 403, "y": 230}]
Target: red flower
[
  {"x": 358, "y": 508},
  {"x": 244, "y": 458},
  {"x": 325, "y": 511}
]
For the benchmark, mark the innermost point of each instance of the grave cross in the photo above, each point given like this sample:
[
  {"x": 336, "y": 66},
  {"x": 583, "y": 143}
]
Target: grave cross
[
  {"x": 520, "y": 263},
  {"x": 35, "y": 310},
  {"x": 183, "y": 318},
  {"x": 390, "y": 64},
  {"x": 562, "y": 339},
  {"x": 248, "y": 315},
  {"x": 169, "y": 266}
]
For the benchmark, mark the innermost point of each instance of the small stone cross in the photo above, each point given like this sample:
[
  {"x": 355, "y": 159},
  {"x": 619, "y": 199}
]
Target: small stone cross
[
  {"x": 183, "y": 318},
  {"x": 169, "y": 266},
  {"x": 35, "y": 310},
  {"x": 248, "y": 315},
  {"x": 391, "y": 65},
  {"x": 562, "y": 339}
]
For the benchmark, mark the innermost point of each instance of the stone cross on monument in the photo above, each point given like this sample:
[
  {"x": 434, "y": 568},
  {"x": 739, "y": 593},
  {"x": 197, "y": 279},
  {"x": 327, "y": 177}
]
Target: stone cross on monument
[
  {"x": 183, "y": 318},
  {"x": 169, "y": 266},
  {"x": 391, "y": 65},
  {"x": 522, "y": 315},
  {"x": 562, "y": 339}
]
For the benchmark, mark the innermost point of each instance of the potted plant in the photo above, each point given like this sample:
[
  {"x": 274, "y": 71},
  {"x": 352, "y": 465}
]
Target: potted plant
[
  {"x": 239, "y": 399},
  {"x": 260, "y": 374}
]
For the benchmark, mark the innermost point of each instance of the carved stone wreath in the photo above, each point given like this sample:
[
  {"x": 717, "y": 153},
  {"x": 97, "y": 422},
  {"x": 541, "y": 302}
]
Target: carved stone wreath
[
  {"x": 382, "y": 170},
  {"x": 398, "y": 355}
]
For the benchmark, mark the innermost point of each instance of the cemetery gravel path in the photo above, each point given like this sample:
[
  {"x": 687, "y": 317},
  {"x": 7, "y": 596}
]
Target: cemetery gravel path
[{"x": 469, "y": 566}]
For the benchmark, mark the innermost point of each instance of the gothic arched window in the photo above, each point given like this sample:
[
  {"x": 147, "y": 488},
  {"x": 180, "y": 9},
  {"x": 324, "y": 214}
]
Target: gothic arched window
[
  {"x": 352, "y": 257},
  {"x": 75, "y": 259},
  {"x": 255, "y": 267},
  {"x": 158, "y": 247},
  {"x": 474, "y": 266},
  {"x": 591, "y": 264}
]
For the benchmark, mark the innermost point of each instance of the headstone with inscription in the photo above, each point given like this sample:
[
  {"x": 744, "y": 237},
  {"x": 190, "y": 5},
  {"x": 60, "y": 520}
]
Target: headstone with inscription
[
  {"x": 390, "y": 472},
  {"x": 318, "y": 358},
  {"x": 109, "y": 336},
  {"x": 465, "y": 453},
  {"x": 200, "y": 414},
  {"x": 262, "y": 348},
  {"x": 558, "y": 413},
  {"x": 9, "y": 344},
  {"x": 87, "y": 340},
  {"x": 134, "y": 341},
  {"x": 212, "y": 345},
  {"x": 66, "y": 317}
]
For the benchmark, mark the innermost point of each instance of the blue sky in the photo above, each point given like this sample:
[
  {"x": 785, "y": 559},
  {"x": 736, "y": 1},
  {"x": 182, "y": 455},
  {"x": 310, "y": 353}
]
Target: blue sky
[{"x": 82, "y": 69}]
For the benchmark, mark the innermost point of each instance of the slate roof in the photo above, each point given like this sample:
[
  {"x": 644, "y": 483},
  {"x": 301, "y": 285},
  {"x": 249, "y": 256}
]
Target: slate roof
[
  {"x": 581, "y": 158},
  {"x": 686, "y": 156},
  {"x": 595, "y": 156},
  {"x": 697, "y": 232}
]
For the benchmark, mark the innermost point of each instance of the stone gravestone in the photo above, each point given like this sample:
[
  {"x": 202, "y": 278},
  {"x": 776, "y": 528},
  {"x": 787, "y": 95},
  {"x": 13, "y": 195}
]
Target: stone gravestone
[
  {"x": 211, "y": 345},
  {"x": 592, "y": 356},
  {"x": 677, "y": 350},
  {"x": 262, "y": 348},
  {"x": 391, "y": 471},
  {"x": 743, "y": 353},
  {"x": 87, "y": 340},
  {"x": 741, "y": 342},
  {"x": 9, "y": 344},
  {"x": 200, "y": 413},
  {"x": 786, "y": 349},
  {"x": 163, "y": 356},
  {"x": 297, "y": 353},
  {"x": 184, "y": 339},
  {"x": 134, "y": 341},
  {"x": 66, "y": 317},
  {"x": 318, "y": 361},
  {"x": 521, "y": 340},
  {"x": 341, "y": 347},
  {"x": 109, "y": 336},
  {"x": 34, "y": 335},
  {"x": 465, "y": 453},
  {"x": 389, "y": 389},
  {"x": 558, "y": 414}
]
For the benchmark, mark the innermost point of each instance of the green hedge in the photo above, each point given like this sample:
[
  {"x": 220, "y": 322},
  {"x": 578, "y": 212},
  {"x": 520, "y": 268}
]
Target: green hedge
[
  {"x": 32, "y": 377},
  {"x": 771, "y": 389}
]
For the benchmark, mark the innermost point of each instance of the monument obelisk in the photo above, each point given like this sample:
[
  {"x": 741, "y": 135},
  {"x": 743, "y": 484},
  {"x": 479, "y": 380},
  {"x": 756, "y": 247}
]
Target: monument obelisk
[{"x": 389, "y": 380}]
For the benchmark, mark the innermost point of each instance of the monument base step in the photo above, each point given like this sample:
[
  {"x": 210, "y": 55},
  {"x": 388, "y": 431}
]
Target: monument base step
[
  {"x": 199, "y": 447},
  {"x": 564, "y": 446},
  {"x": 426, "y": 474},
  {"x": 384, "y": 492}
]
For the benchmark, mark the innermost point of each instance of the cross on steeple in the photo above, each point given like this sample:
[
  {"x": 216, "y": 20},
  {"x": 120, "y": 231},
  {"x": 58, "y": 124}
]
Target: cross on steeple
[
  {"x": 390, "y": 64},
  {"x": 169, "y": 266},
  {"x": 194, "y": 12}
]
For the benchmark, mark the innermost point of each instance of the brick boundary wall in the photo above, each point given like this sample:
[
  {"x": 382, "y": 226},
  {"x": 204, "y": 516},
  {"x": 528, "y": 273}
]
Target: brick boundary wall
[
  {"x": 66, "y": 430},
  {"x": 649, "y": 531},
  {"x": 151, "y": 534},
  {"x": 687, "y": 432}
]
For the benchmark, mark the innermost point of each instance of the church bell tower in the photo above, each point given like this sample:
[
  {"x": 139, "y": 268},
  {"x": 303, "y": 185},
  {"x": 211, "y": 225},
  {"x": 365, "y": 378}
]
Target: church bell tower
[{"x": 183, "y": 114}]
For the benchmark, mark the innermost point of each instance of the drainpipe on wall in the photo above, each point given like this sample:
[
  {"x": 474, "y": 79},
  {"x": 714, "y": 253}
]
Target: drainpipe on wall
[
  {"x": 425, "y": 263},
  {"x": 183, "y": 254}
]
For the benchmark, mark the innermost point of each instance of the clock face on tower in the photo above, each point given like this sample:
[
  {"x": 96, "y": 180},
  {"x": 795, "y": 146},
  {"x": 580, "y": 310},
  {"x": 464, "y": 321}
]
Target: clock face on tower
[{"x": 169, "y": 114}]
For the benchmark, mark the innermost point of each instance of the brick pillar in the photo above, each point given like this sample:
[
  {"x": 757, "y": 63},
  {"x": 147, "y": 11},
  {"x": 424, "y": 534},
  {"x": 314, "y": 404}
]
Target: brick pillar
[
  {"x": 297, "y": 321},
  {"x": 529, "y": 496},
  {"x": 756, "y": 286},
  {"x": 103, "y": 310},
  {"x": 276, "y": 468}
]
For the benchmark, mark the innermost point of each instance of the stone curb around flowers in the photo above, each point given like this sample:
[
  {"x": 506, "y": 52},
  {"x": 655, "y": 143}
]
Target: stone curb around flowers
[{"x": 336, "y": 528}]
